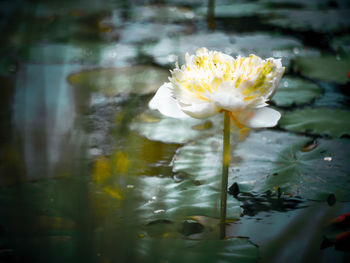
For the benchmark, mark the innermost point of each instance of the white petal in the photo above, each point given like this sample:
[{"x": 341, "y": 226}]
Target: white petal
[
  {"x": 259, "y": 118},
  {"x": 276, "y": 80},
  {"x": 165, "y": 103},
  {"x": 227, "y": 101},
  {"x": 200, "y": 110}
]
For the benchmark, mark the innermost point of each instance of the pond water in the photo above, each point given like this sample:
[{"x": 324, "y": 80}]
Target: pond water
[{"x": 89, "y": 174}]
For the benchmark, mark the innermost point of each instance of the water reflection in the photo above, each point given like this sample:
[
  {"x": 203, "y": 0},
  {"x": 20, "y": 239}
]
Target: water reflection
[{"x": 44, "y": 115}]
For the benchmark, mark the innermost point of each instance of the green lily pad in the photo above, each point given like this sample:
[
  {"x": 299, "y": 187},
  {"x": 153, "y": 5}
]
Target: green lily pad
[
  {"x": 333, "y": 122},
  {"x": 157, "y": 127},
  {"x": 296, "y": 91},
  {"x": 179, "y": 250},
  {"x": 294, "y": 165},
  {"x": 267, "y": 45},
  {"x": 162, "y": 13},
  {"x": 120, "y": 81},
  {"x": 169, "y": 50},
  {"x": 267, "y": 160},
  {"x": 146, "y": 32},
  {"x": 316, "y": 20},
  {"x": 202, "y": 159},
  {"x": 234, "y": 10},
  {"x": 166, "y": 199},
  {"x": 324, "y": 68}
]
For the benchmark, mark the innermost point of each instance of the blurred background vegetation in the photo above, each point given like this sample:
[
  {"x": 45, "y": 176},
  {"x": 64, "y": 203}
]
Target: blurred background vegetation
[{"x": 89, "y": 174}]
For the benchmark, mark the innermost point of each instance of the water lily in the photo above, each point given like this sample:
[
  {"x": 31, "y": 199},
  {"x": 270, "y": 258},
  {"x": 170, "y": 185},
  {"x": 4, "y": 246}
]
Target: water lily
[{"x": 211, "y": 82}]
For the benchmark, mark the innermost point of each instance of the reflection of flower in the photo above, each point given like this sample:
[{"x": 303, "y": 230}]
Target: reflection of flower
[{"x": 211, "y": 82}]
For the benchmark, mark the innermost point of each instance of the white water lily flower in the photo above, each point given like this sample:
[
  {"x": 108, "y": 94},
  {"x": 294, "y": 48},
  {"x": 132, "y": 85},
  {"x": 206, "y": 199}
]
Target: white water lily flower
[{"x": 211, "y": 82}]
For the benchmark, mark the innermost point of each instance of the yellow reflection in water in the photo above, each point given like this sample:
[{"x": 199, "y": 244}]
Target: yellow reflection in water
[
  {"x": 121, "y": 162},
  {"x": 101, "y": 171}
]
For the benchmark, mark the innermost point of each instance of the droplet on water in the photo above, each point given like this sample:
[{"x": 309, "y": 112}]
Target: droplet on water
[
  {"x": 159, "y": 211},
  {"x": 327, "y": 159}
]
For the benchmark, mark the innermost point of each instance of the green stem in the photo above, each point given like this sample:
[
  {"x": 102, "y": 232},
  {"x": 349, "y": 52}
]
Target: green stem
[{"x": 225, "y": 162}]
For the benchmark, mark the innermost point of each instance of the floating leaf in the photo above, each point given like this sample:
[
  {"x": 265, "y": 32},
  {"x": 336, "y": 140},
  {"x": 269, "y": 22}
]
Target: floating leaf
[
  {"x": 234, "y": 10},
  {"x": 278, "y": 160},
  {"x": 268, "y": 160},
  {"x": 169, "y": 50},
  {"x": 146, "y": 32},
  {"x": 117, "y": 81},
  {"x": 180, "y": 250},
  {"x": 324, "y": 68},
  {"x": 202, "y": 159},
  {"x": 295, "y": 91},
  {"x": 268, "y": 45},
  {"x": 258, "y": 43},
  {"x": 166, "y": 199},
  {"x": 162, "y": 13},
  {"x": 333, "y": 122},
  {"x": 315, "y": 20}
]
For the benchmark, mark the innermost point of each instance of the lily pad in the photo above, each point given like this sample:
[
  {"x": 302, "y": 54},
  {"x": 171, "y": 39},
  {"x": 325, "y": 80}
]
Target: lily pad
[
  {"x": 157, "y": 127},
  {"x": 267, "y": 45},
  {"x": 315, "y": 20},
  {"x": 180, "y": 250},
  {"x": 325, "y": 68},
  {"x": 145, "y": 32},
  {"x": 296, "y": 91},
  {"x": 255, "y": 43},
  {"x": 234, "y": 10},
  {"x": 162, "y": 13},
  {"x": 166, "y": 199},
  {"x": 332, "y": 122},
  {"x": 269, "y": 160},
  {"x": 169, "y": 50},
  {"x": 120, "y": 81}
]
